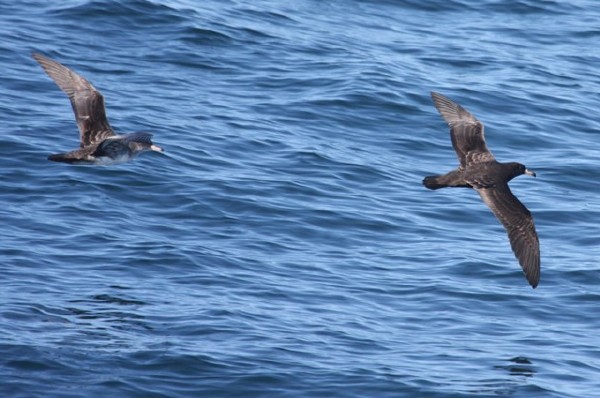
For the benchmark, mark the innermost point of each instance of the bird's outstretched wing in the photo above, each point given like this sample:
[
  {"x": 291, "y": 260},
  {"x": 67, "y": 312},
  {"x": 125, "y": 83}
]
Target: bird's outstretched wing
[
  {"x": 518, "y": 222},
  {"x": 465, "y": 130},
  {"x": 138, "y": 136},
  {"x": 87, "y": 102}
]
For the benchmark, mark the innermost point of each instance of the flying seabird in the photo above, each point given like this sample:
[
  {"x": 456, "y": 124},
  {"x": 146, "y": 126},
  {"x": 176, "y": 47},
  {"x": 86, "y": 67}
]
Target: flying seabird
[
  {"x": 479, "y": 170},
  {"x": 98, "y": 142}
]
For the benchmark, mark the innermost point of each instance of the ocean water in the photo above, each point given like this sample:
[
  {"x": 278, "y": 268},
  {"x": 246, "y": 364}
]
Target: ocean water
[{"x": 283, "y": 245}]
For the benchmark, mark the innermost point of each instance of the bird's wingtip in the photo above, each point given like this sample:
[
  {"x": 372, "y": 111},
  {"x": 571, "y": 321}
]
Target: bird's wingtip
[
  {"x": 534, "y": 283},
  {"x": 435, "y": 94},
  {"x": 533, "y": 277}
]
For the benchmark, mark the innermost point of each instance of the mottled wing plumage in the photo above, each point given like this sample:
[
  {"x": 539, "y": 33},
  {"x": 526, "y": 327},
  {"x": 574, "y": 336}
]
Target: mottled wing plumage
[
  {"x": 138, "y": 137},
  {"x": 87, "y": 102},
  {"x": 465, "y": 130},
  {"x": 518, "y": 222}
]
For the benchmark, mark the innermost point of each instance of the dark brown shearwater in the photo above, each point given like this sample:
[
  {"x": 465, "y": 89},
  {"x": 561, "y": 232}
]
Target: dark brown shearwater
[
  {"x": 479, "y": 170},
  {"x": 98, "y": 143}
]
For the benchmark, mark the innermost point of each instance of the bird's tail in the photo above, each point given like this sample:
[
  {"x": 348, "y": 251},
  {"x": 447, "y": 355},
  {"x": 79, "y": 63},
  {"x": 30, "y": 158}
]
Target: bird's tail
[
  {"x": 451, "y": 179},
  {"x": 72, "y": 157},
  {"x": 57, "y": 157},
  {"x": 432, "y": 182}
]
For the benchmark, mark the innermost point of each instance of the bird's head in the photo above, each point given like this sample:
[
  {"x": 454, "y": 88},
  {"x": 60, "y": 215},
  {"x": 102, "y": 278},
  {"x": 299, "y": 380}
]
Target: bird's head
[
  {"x": 519, "y": 169},
  {"x": 143, "y": 142}
]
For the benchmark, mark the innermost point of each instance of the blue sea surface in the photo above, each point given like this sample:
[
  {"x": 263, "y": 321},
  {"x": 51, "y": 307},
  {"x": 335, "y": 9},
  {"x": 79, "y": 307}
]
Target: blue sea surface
[{"x": 283, "y": 245}]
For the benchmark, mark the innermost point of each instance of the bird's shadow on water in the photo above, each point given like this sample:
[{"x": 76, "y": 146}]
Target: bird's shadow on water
[
  {"x": 514, "y": 380},
  {"x": 111, "y": 319},
  {"x": 518, "y": 366}
]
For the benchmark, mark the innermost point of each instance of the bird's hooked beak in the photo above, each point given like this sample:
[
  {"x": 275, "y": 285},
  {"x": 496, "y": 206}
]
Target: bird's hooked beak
[
  {"x": 156, "y": 148},
  {"x": 530, "y": 172}
]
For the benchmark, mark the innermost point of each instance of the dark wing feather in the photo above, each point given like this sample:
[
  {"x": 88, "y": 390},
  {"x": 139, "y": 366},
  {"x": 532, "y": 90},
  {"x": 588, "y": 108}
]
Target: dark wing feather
[
  {"x": 138, "y": 137},
  {"x": 519, "y": 224},
  {"x": 112, "y": 148},
  {"x": 465, "y": 130},
  {"x": 87, "y": 102}
]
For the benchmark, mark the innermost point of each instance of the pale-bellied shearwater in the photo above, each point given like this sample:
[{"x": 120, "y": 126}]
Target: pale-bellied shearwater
[
  {"x": 479, "y": 170},
  {"x": 98, "y": 142}
]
